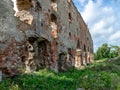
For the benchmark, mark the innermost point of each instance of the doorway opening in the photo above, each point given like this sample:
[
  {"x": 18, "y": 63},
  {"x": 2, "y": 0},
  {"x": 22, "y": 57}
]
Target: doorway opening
[
  {"x": 85, "y": 55},
  {"x": 43, "y": 55}
]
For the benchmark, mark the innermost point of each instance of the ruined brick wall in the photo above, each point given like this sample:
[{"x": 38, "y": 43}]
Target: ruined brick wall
[
  {"x": 74, "y": 34},
  {"x": 37, "y": 34}
]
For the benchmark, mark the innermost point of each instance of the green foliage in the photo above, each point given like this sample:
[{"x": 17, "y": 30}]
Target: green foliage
[
  {"x": 115, "y": 51},
  {"x": 96, "y": 81},
  {"x": 98, "y": 76},
  {"x": 107, "y": 51},
  {"x": 103, "y": 52}
]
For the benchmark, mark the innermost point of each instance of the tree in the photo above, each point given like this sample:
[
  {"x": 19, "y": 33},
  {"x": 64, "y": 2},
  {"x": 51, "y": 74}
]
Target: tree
[
  {"x": 107, "y": 51},
  {"x": 103, "y": 52},
  {"x": 115, "y": 51}
]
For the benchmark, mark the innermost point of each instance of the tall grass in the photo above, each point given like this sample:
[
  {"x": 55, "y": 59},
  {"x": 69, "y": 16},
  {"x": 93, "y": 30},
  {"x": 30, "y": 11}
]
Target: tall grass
[{"x": 98, "y": 76}]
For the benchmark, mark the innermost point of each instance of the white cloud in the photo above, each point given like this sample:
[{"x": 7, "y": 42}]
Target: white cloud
[
  {"x": 107, "y": 10},
  {"x": 115, "y": 36},
  {"x": 102, "y": 19},
  {"x": 82, "y": 2},
  {"x": 91, "y": 11},
  {"x": 103, "y": 26}
]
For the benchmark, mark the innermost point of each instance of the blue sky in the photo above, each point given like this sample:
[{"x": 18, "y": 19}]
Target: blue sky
[{"x": 103, "y": 20}]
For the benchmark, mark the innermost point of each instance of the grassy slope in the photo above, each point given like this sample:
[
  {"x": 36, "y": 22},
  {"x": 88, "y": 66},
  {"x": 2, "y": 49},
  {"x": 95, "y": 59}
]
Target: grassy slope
[{"x": 98, "y": 76}]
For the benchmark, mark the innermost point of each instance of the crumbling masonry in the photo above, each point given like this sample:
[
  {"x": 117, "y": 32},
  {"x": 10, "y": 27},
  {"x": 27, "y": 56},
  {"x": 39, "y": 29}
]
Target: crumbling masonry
[{"x": 37, "y": 34}]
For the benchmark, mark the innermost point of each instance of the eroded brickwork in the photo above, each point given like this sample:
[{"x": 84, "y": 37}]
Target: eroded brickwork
[{"x": 37, "y": 34}]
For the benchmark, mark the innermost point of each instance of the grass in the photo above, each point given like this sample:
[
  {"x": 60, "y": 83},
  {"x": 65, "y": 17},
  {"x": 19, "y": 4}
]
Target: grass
[{"x": 98, "y": 76}]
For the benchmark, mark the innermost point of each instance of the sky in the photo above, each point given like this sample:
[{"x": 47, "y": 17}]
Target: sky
[{"x": 103, "y": 20}]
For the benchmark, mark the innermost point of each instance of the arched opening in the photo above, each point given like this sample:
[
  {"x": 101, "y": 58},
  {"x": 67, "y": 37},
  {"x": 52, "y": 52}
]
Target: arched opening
[
  {"x": 88, "y": 55},
  {"x": 61, "y": 62},
  {"x": 53, "y": 25},
  {"x": 70, "y": 57},
  {"x": 78, "y": 44},
  {"x": 70, "y": 17},
  {"x": 70, "y": 34},
  {"x": 43, "y": 54},
  {"x": 85, "y": 55},
  {"x": 38, "y": 54},
  {"x": 53, "y": 18},
  {"x": 84, "y": 48},
  {"x": 78, "y": 57}
]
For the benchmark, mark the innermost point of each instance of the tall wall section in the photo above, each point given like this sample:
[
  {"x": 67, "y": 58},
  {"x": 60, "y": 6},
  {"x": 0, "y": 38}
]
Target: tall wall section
[
  {"x": 74, "y": 34},
  {"x": 37, "y": 34}
]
